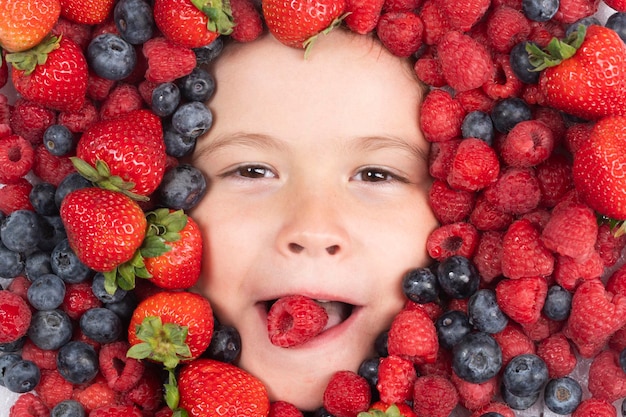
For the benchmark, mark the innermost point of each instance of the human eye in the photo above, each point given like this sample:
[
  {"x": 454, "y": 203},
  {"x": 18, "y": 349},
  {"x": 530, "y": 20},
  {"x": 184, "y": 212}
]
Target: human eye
[
  {"x": 377, "y": 175},
  {"x": 250, "y": 172}
]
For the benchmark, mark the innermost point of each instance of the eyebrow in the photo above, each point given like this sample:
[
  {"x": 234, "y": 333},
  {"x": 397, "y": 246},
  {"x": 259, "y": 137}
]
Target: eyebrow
[{"x": 372, "y": 143}]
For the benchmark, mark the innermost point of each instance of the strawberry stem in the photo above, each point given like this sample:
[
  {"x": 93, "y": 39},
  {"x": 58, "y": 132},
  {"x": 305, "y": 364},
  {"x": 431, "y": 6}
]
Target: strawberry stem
[
  {"x": 308, "y": 44},
  {"x": 557, "y": 50},
  {"x": 161, "y": 342},
  {"x": 101, "y": 176},
  {"x": 219, "y": 14},
  {"x": 28, "y": 60}
]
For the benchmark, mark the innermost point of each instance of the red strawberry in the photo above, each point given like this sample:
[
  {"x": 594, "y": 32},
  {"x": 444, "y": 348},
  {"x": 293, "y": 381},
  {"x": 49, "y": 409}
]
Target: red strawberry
[
  {"x": 26, "y": 22},
  {"x": 89, "y": 12},
  {"x": 185, "y": 23},
  {"x": 294, "y": 320},
  {"x": 413, "y": 336},
  {"x": 364, "y": 15},
  {"x": 284, "y": 409},
  {"x": 233, "y": 390},
  {"x": 60, "y": 82},
  {"x": 347, "y": 394},
  {"x": 296, "y": 23},
  {"x": 584, "y": 84}
]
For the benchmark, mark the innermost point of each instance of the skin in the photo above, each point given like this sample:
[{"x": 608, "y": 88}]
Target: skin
[{"x": 318, "y": 186}]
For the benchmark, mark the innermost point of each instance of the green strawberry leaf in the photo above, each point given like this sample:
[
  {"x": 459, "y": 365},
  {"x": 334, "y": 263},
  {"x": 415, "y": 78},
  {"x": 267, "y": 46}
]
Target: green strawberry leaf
[
  {"x": 219, "y": 13},
  {"x": 101, "y": 176},
  {"x": 166, "y": 343},
  {"x": 172, "y": 395},
  {"x": 28, "y": 60},
  {"x": 557, "y": 50}
]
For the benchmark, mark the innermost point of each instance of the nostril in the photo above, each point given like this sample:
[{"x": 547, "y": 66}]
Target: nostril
[
  {"x": 332, "y": 249},
  {"x": 295, "y": 248}
]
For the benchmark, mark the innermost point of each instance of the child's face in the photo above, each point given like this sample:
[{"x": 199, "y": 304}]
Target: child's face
[{"x": 318, "y": 186}]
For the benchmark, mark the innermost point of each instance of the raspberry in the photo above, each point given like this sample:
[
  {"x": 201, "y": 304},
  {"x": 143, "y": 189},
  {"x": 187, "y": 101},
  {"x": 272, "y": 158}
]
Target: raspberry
[
  {"x": 434, "y": 396},
  {"x": 364, "y": 15},
  {"x": 16, "y": 158},
  {"x": 29, "y": 405},
  {"x": 572, "y": 10},
  {"x": 121, "y": 372},
  {"x": 452, "y": 239},
  {"x": 122, "y": 99},
  {"x": 608, "y": 246},
  {"x": 400, "y": 5},
  {"x": 555, "y": 179},
  {"x": 486, "y": 216},
  {"x": 78, "y": 121},
  {"x": 503, "y": 82},
  {"x": 167, "y": 61},
  {"x": 513, "y": 341},
  {"x": 396, "y": 377},
  {"x": 413, "y": 336},
  {"x": 522, "y": 299},
  {"x": 465, "y": 63},
  {"x": 16, "y": 197},
  {"x": 284, "y": 409},
  {"x": 494, "y": 407},
  {"x": 475, "y": 166},
  {"x": 294, "y": 320},
  {"x": 435, "y": 22},
  {"x": 516, "y": 191},
  {"x": 616, "y": 283},
  {"x": 433, "y": 309},
  {"x": 617, "y": 342},
  {"x": 533, "y": 95},
  {"x": 53, "y": 388},
  {"x": 346, "y": 394},
  {"x": 15, "y": 315},
  {"x": 4, "y": 73},
  {"x": 462, "y": 15},
  {"x": 428, "y": 69},
  {"x": 594, "y": 407},
  {"x": 571, "y": 231},
  {"x": 619, "y": 5},
  {"x": 78, "y": 299},
  {"x": 5, "y": 108},
  {"x": 440, "y": 158},
  {"x": 554, "y": 120},
  {"x": 473, "y": 396},
  {"x": 528, "y": 144},
  {"x": 441, "y": 116},
  {"x": 557, "y": 353},
  {"x": 569, "y": 272},
  {"x": 116, "y": 411},
  {"x": 542, "y": 328},
  {"x": 506, "y": 27},
  {"x": 523, "y": 253},
  {"x": 538, "y": 217},
  {"x": 44, "y": 359},
  {"x": 19, "y": 285},
  {"x": 488, "y": 256},
  {"x": 594, "y": 317},
  {"x": 147, "y": 393},
  {"x": 97, "y": 87},
  {"x": 96, "y": 394},
  {"x": 475, "y": 100},
  {"x": 441, "y": 367},
  {"x": 50, "y": 168},
  {"x": 29, "y": 120},
  {"x": 450, "y": 206},
  {"x": 400, "y": 32},
  {"x": 248, "y": 24}
]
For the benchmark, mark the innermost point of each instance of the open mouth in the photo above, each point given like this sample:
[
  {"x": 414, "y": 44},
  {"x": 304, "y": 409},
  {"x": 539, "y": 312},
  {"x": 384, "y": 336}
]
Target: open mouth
[{"x": 337, "y": 311}]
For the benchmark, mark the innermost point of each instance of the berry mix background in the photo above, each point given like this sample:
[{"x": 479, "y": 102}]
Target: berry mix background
[{"x": 435, "y": 133}]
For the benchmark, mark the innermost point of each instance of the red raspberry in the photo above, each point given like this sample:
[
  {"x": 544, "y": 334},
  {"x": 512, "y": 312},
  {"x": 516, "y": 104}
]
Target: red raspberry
[
  {"x": 4, "y": 73},
  {"x": 15, "y": 197},
  {"x": 452, "y": 239},
  {"x": 538, "y": 217},
  {"x": 616, "y": 284},
  {"x": 16, "y": 316},
  {"x": 428, "y": 69},
  {"x": 97, "y": 87},
  {"x": 607, "y": 380},
  {"x": 473, "y": 396},
  {"x": 441, "y": 116},
  {"x": 147, "y": 394},
  {"x": 558, "y": 354},
  {"x": 50, "y": 168},
  {"x": 400, "y": 5},
  {"x": 465, "y": 63},
  {"x": 53, "y": 388},
  {"x": 78, "y": 121},
  {"x": 121, "y": 372},
  {"x": 572, "y": 10},
  {"x": 441, "y": 367},
  {"x": 16, "y": 158},
  {"x": 396, "y": 377},
  {"x": 506, "y": 28},
  {"x": 248, "y": 24},
  {"x": 284, "y": 409},
  {"x": 123, "y": 99},
  {"x": 533, "y": 95},
  {"x": 435, "y": 22},
  {"x": 116, "y": 411},
  {"x": 553, "y": 119},
  {"x": 294, "y": 320},
  {"x": 513, "y": 341},
  {"x": 458, "y": 304},
  {"x": 475, "y": 100},
  {"x": 618, "y": 5},
  {"x": 5, "y": 108},
  {"x": 145, "y": 89},
  {"x": 570, "y": 273},
  {"x": 528, "y": 144},
  {"x": 78, "y": 299},
  {"x": 29, "y": 405},
  {"x": 346, "y": 394},
  {"x": 413, "y": 336},
  {"x": 434, "y": 396},
  {"x": 555, "y": 179},
  {"x": 78, "y": 335},
  {"x": 400, "y": 32},
  {"x": 364, "y": 15},
  {"x": 462, "y": 15},
  {"x": 433, "y": 309},
  {"x": 522, "y": 299},
  {"x": 572, "y": 231},
  {"x": 95, "y": 395},
  {"x": 503, "y": 82},
  {"x": 441, "y": 156},
  {"x": 475, "y": 166},
  {"x": 30, "y": 120},
  {"x": 494, "y": 407},
  {"x": 523, "y": 253},
  {"x": 516, "y": 191},
  {"x": 594, "y": 407},
  {"x": 19, "y": 285},
  {"x": 486, "y": 216},
  {"x": 78, "y": 32},
  {"x": 167, "y": 61},
  {"x": 404, "y": 409},
  {"x": 543, "y": 32},
  {"x": 617, "y": 342},
  {"x": 608, "y": 246},
  {"x": 488, "y": 256},
  {"x": 44, "y": 359},
  {"x": 450, "y": 206},
  {"x": 576, "y": 135},
  {"x": 595, "y": 316},
  {"x": 542, "y": 328}
]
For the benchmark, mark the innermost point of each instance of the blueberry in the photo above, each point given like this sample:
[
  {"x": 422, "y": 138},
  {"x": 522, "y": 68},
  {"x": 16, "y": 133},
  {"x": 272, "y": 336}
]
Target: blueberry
[
  {"x": 585, "y": 21},
  {"x": 46, "y": 292},
  {"x": 381, "y": 344},
  {"x": 50, "y": 329},
  {"x": 369, "y": 370},
  {"x": 458, "y": 277},
  {"x": 101, "y": 324},
  {"x": 225, "y": 344},
  {"x": 558, "y": 303},
  {"x": 176, "y": 144},
  {"x": 11, "y": 263},
  {"x": 617, "y": 22},
  {"x": 476, "y": 358},
  {"x": 525, "y": 375},
  {"x": 518, "y": 402},
  {"x": 42, "y": 199},
  {"x": 134, "y": 21},
  {"x": 491, "y": 414},
  {"x": 452, "y": 326},
  {"x": 14, "y": 346},
  {"x": 97, "y": 286},
  {"x": 71, "y": 182},
  {"x": 77, "y": 362},
  {"x": 53, "y": 232},
  {"x": 192, "y": 119},
  {"x": 208, "y": 53},
  {"x": 22, "y": 376},
  {"x": 59, "y": 140},
  {"x": 199, "y": 85},
  {"x": 484, "y": 312},
  {"x": 37, "y": 264},
  {"x": 68, "y": 408},
  {"x": 111, "y": 57},
  {"x": 478, "y": 124},
  {"x": 165, "y": 99},
  {"x": 540, "y": 10},
  {"x": 66, "y": 264},
  {"x": 624, "y": 408},
  {"x": 182, "y": 187},
  {"x": 520, "y": 63},
  {"x": 21, "y": 231},
  {"x": 322, "y": 412},
  {"x": 420, "y": 285},
  {"x": 562, "y": 395},
  {"x": 6, "y": 361},
  {"x": 509, "y": 112},
  {"x": 124, "y": 308}
]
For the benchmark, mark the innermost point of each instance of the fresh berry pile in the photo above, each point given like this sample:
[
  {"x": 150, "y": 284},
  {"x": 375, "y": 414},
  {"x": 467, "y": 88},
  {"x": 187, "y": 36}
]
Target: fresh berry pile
[{"x": 526, "y": 115}]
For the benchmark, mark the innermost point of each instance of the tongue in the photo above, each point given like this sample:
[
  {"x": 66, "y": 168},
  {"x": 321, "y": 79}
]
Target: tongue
[{"x": 337, "y": 312}]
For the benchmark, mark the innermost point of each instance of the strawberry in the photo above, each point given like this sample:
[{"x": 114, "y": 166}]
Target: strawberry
[
  {"x": 89, "y": 12},
  {"x": 26, "y": 22},
  {"x": 590, "y": 79},
  {"x": 233, "y": 390},
  {"x": 192, "y": 23},
  {"x": 53, "y": 74},
  {"x": 297, "y": 23}
]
